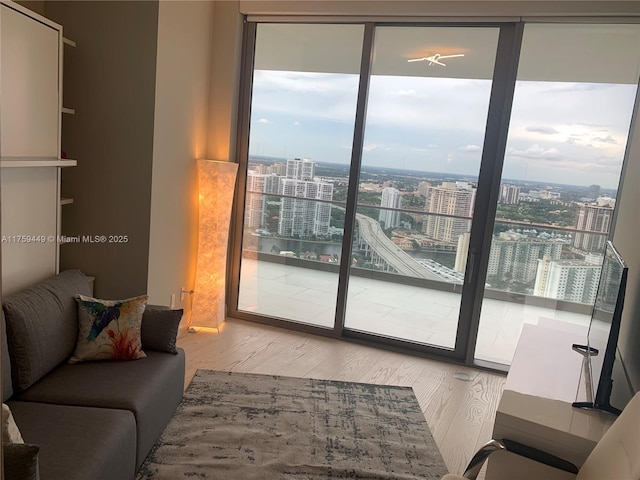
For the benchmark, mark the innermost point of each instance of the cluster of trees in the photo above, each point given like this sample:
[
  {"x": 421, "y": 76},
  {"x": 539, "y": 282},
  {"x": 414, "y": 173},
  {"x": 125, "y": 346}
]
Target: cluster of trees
[{"x": 544, "y": 211}]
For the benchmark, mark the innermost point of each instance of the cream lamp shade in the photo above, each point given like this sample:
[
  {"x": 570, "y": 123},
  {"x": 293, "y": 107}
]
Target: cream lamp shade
[{"x": 216, "y": 185}]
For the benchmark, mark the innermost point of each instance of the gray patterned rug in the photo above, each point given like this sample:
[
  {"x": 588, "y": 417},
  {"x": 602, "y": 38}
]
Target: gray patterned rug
[{"x": 243, "y": 426}]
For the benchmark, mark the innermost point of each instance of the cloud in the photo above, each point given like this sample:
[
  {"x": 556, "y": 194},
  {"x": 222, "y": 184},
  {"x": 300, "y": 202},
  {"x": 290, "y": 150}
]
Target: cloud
[
  {"x": 426, "y": 148},
  {"x": 470, "y": 148},
  {"x": 407, "y": 93},
  {"x": 370, "y": 147},
  {"x": 575, "y": 87},
  {"x": 296, "y": 123},
  {"x": 536, "y": 152},
  {"x": 607, "y": 139},
  {"x": 543, "y": 130},
  {"x": 263, "y": 120},
  {"x": 599, "y": 126}
]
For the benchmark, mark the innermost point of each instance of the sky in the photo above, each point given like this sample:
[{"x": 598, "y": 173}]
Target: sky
[{"x": 571, "y": 133}]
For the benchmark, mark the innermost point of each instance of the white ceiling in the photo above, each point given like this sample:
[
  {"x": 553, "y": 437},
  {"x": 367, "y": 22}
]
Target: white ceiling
[{"x": 550, "y": 52}]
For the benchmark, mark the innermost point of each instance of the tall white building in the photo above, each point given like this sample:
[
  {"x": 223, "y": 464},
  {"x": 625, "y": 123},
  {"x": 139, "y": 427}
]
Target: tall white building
[
  {"x": 301, "y": 216},
  {"x": 449, "y": 198},
  {"x": 569, "y": 280},
  {"x": 462, "y": 252},
  {"x": 515, "y": 257},
  {"x": 279, "y": 169},
  {"x": 391, "y": 198},
  {"x": 592, "y": 218},
  {"x": 423, "y": 188},
  {"x": 258, "y": 184},
  {"x": 301, "y": 169},
  {"x": 509, "y": 194}
]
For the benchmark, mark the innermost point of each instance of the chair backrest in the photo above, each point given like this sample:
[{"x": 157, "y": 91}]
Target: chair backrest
[{"x": 617, "y": 454}]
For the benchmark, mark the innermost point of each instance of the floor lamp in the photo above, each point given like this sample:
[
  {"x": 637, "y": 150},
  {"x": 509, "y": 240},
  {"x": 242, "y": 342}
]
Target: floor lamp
[{"x": 216, "y": 185}]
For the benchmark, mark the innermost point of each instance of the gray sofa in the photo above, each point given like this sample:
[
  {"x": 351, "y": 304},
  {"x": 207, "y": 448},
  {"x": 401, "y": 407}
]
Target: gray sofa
[{"x": 94, "y": 420}]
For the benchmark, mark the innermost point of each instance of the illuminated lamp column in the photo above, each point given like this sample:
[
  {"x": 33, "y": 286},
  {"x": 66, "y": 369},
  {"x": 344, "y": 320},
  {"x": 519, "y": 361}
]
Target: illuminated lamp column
[{"x": 216, "y": 184}]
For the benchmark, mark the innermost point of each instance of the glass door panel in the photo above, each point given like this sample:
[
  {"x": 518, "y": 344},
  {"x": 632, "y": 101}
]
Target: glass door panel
[
  {"x": 571, "y": 113},
  {"x": 305, "y": 83},
  {"x": 425, "y": 127}
]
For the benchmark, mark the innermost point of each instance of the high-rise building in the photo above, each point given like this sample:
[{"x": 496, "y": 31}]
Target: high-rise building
[
  {"x": 592, "y": 218},
  {"x": 569, "y": 280},
  {"x": 450, "y": 198},
  {"x": 514, "y": 257},
  {"x": 594, "y": 191},
  {"x": 279, "y": 169},
  {"x": 258, "y": 184},
  {"x": 423, "y": 188},
  {"x": 391, "y": 198},
  {"x": 510, "y": 194},
  {"x": 301, "y": 216},
  {"x": 462, "y": 252},
  {"x": 259, "y": 168},
  {"x": 301, "y": 169}
]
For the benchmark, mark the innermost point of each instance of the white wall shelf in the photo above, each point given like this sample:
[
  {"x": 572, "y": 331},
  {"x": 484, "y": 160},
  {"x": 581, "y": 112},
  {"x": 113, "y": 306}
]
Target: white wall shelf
[
  {"x": 26, "y": 162},
  {"x": 70, "y": 111},
  {"x": 66, "y": 201}
]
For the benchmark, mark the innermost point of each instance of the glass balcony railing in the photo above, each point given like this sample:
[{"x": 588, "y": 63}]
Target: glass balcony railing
[{"x": 430, "y": 250}]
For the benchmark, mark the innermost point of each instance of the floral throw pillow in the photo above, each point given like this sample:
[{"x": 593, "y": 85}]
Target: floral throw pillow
[{"x": 109, "y": 329}]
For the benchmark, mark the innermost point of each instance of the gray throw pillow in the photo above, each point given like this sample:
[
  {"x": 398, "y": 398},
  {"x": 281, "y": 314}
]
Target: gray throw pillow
[
  {"x": 42, "y": 326},
  {"x": 159, "y": 329},
  {"x": 20, "y": 461}
]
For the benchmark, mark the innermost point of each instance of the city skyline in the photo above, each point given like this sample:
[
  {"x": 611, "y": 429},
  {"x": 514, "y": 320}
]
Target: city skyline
[
  {"x": 426, "y": 174},
  {"x": 424, "y": 124}
]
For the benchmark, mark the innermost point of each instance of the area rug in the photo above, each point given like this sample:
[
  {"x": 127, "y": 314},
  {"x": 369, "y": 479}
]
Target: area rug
[{"x": 245, "y": 426}]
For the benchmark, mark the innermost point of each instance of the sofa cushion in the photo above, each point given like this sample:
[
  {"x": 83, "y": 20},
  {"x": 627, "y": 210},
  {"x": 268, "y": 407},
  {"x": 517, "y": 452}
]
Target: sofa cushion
[
  {"x": 151, "y": 388},
  {"x": 109, "y": 329},
  {"x": 7, "y": 387},
  {"x": 160, "y": 329},
  {"x": 42, "y": 326},
  {"x": 79, "y": 443},
  {"x": 20, "y": 461}
]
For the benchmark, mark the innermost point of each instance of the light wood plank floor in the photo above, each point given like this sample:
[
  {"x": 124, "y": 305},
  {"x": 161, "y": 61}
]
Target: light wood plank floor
[{"x": 459, "y": 413}]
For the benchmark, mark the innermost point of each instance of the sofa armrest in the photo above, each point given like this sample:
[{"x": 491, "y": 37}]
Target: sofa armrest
[{"x": 492, "y": 446}]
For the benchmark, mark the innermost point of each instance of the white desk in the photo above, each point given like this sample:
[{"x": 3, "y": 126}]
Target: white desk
[{"x": 545, "y": 378}]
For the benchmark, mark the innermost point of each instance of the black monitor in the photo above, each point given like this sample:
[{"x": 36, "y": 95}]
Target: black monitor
[{"x": 602, "y": 339}]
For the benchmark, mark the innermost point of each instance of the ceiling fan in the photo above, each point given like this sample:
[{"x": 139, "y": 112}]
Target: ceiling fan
[{"x": 435, "y": 59}]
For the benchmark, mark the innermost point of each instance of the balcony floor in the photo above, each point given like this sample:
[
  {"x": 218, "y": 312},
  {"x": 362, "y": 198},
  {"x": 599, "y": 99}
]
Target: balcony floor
[{"x": 385, "y": 308}]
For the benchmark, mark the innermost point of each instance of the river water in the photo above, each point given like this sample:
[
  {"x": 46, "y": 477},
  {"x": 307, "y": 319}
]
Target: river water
[{"x": 265, "y": 244}]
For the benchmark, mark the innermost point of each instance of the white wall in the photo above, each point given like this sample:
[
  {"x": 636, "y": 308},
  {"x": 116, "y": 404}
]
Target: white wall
[
  {"x": 432, "y": 8},
  {"x": 185, "y": 35},
  {"x": 627, "y": 239},
  {"x": 225, "y": 81}
]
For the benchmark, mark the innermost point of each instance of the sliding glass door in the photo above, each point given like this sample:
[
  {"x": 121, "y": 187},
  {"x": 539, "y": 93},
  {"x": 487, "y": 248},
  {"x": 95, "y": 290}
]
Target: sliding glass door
[
  {"x": 571, "y": 114},
  {"x": 425, "y": 127},
  {"x": 305, "y": 85}
]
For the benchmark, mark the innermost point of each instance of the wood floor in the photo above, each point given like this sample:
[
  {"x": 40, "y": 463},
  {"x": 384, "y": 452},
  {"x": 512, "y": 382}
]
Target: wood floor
[{"x": 460, "y": 413}]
